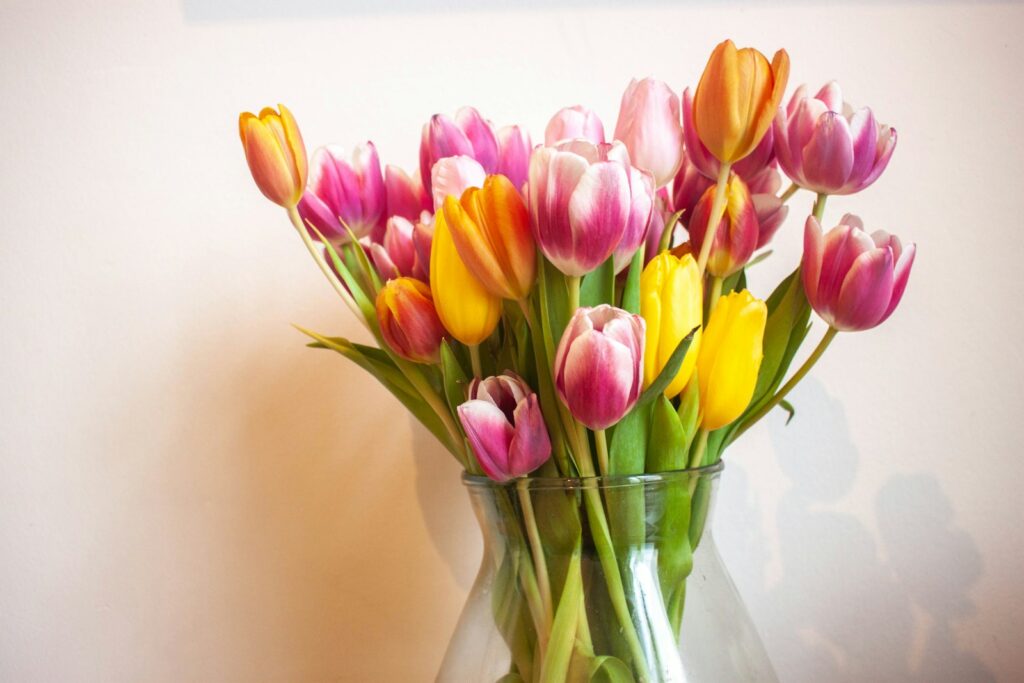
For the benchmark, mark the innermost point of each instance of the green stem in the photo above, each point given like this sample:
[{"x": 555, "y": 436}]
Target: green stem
[
  {"x": 716, "y": 294},
  {"x": 666, "y": 237},
  {"x": 717, "y": 209},
  {"x": 819, "y": 206},
  {"x": 790, "y": 191},
  {"x": 540, "y": 566},
  {"x": 793, "y": 381},
  {"x": 697, "y": 457},
  {"x": 573, "y": 281},
  {"x": 435, "y": 401},
  {"x": 474, "y": 359},
  {"x": 602, "y": 451}
]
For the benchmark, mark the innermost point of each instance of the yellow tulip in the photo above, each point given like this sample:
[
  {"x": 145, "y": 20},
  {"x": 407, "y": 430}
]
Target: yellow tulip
[
  {"x": 671, "y": 302},
  {"x": 275, "y": 154},
  {"x": 467, "y": 310},
  {"x": 730, "y": 357},
  {"x": 737, "y": 98}
]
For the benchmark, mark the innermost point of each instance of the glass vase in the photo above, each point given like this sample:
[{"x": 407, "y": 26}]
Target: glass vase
[{"x": 602, "y": 579}]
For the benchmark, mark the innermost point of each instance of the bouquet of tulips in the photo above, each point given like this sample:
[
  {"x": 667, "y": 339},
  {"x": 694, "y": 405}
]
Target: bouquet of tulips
[{"x": 578, "y": 309}]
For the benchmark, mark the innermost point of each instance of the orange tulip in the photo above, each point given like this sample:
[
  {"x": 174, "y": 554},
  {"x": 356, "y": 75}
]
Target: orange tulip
[
  {"x": 408, "y": 320},
  {"x": 275, "y": 153},
  {"x": 737, "y": 98}
]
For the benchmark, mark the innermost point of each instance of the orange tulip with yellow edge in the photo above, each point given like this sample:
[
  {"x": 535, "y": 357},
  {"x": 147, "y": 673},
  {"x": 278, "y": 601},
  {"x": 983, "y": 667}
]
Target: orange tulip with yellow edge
[
  {"x": 737, "y": 98},
  {"x": 672, "y": 304},
  {"x": 275, "y": 154}
]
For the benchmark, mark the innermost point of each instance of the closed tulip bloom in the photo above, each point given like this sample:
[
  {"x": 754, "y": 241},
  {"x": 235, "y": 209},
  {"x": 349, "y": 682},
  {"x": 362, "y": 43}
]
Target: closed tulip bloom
[
  {"x": 825, "y": 146},
  {"x": 584, "y": 199},
  {"x": 649, "y": 126},
  {"x": 853, "y": 280},
  {"x": 737, "y": 235},
  {"x": 491, "y": 230},
  {"x": 275, "y": 154},
  {"x": 514, "y": 148},
  {"x": 452, "y": 176},
  {"x": 345, "y": 192},
  {"x": 574, "y": 122},
  {"x": 406, "y": 196},
  {"x": 672, "y": 304},
  {"x": 598, "y": 366},
  {"x": 408, "y": 321},
  {"x": 396, "y": 255},
  {"x": 469, "y": 134},
  {"x": 736, "y": 99},
  {"x": 469, "y": 312},
  {"x": 749, "y": 167},
  {"x": 505, "y": 427},
  {"x": 730, "y": 358}
]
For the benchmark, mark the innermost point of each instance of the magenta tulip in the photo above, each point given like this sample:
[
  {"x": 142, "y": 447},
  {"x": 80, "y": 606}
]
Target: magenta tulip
[
  {"x": 585, "y": 201},
  {"x": 826, "y": 147},
  {"x": 342, "y": 192},
  {"x": 469, "y": 134},
  {"x": 649, "y": 126},
  {"x": 853, "y": 280},
  {"x": 514, "y": 148},
  {"x": 397, "y": 256},
  {"x": 406, "y": 195},
  {"x": 505, "y": 427},
  {"x": 574, "y": 122},
  {"x": 599, "y": 364}
]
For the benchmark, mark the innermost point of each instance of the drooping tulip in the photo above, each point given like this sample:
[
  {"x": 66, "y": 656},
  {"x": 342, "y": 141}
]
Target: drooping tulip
[
  {"x": 452, "y": 176},
  {"x": 406, "y": 196},
  {"x": 825, "y": 146},
  {"x": 649, "y": 126},
  {"x": 574, "y": 122},
  {"x": 584, "y": 200},
  {"x": 469, "y": 312},
  {"x": 275, "y": 154},
  {"x": 853, "y": 280},
  {"x": 514, "y": 148},
  {"x": 505, "y": 427},
  {"x": 736, "y": 99},
  {"x": 672, "y": 304},
  {"x": 737, "y": 235},
  {"x": 598, "y": 366},
  {"x": 730, "y": 357},
  {"x": 408, "y": 320},
  {"x": 343, "y": 192},
  {"x": 469, "y": 134},
  {"x": 491, "y": 230}
]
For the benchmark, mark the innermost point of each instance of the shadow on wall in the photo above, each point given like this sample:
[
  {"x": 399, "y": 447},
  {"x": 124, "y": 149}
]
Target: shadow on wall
[{"x": 847, "y": 608}]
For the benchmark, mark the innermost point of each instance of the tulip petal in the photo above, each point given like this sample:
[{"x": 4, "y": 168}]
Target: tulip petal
[
  {"x": 490, "y": 435},
  {"x": 810, "y": 267},
  {"x": 866, "y": 291},
  {"x": 828, "y": 158},
  {"x": 481, "y": 137},
  {"x": 901, "y": 275},
  {"x": 598, "y": 211},
  {"x": 598, "y": 380},
  {"x": 530, "y": 447},
  {"x": 864, "y": 134}
]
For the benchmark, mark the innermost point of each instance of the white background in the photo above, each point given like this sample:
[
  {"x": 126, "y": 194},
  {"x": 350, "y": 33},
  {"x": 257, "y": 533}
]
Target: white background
[{"x": 188, "y": 494}]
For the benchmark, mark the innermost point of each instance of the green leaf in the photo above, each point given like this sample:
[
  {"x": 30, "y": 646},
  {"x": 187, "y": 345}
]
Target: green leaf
[
  {"x": 510, "y": 678},
  {"x": 675, "y": 551},
  {"x": 598, "y": 286},
  {"x": 626, "y": 503},
  {"x": 607, "y": 669},
  {"x": 454, "y": 378},
  {"x": 735, "y": 282},
  {"x": 689, "y": 410},
  {"x": 664, "y": 378},
  {"x": 666, "y": 452},
  {"x": 629, "y": 443},
  {"x": 665, "y": 242},
  {"x": 631, "y": 291},
  {"x": 344, "y": 269},
  {"x": 368, "y": 271},
  {"x": 371, "y": 359},
  {"x": 563, "y": 629},
  {"x": 788, "y": 407}
]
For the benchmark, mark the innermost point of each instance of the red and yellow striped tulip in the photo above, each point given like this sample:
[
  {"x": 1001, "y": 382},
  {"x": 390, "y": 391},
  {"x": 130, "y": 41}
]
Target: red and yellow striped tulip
[{"x": 275, "y": 154}]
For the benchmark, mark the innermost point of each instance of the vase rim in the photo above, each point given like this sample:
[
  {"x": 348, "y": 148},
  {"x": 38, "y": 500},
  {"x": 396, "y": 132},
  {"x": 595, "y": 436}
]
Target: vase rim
[{"x": 602, "y": 482}]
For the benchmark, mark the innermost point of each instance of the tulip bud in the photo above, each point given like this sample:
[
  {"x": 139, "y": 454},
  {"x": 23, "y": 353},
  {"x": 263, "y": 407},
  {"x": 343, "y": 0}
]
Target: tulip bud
[
  {"x": 826, "y": 147},
  {"x": 730, "y": 357},
  {"x": 514, "y": 148},
  {"x": 505, "y": 427},
  {"x": 574, "y": 122},
  {"x": 396, "y": 256},
  {"x": 275, "y": 154},
  {"x": 672, "y": 304},
  {"x": 649, "y": 126},
  {"x": 749, "y": 167},
  {"x": 469, "y": 312},
  {"x": 406, "y": 196},
  {"x": 737, "y": 234},
  {"x": 736, "y": 99},
  {"x": 451, "y": 176},
  {"x": 408, "y": 320},
  {"x": 491, "y": 230},
  {"x": 344, "y": 193},
  {"x": 584, "y": 199},
  {"x": 598, "y": 366},
  {"x": 468, "y": 135},
  {"x": 853, "y": 280}
]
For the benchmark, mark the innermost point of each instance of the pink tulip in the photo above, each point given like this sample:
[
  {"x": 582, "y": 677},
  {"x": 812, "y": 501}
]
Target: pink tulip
[
  {"x": 599, "y": 364},
  {"x": 853, "y": 280},
  {"x": 747, "y": 168},
  {"x": 469, "y": 134},
  {"x": 514, "y": 148},
  {"x": 452, "y": 175},
  {"x": 341, "y": 193},
  {"x": 406, "y": 196},
  {"x": 505, "y": 427},
  {"x": 397, "y": 255},
  {"x": 656, "y": 228},
  {"x": 574, "y": 122},
  {"x": 649, "y": 126},
  {"x": 586, "y": 200},
  {"x": 738, "y": 232},
  {"x": 826, "y": 147}
]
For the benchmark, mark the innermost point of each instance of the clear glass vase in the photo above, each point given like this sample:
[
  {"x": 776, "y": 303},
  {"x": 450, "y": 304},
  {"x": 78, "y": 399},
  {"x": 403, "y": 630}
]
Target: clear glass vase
[{"x": 602, "y": 579}]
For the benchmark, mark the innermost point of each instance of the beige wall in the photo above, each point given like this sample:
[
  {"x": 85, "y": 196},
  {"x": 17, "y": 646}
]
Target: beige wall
[{"x": 187, "y": 494}]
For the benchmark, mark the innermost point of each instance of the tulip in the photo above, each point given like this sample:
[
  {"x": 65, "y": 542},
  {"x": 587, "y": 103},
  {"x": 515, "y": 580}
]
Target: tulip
[
  {"x": 574, "y": 122},
  {"x": 397, "y": 255},
  {"x": 748, "y": 168},
  {"x": 514, "y": 148},
  {"x": 736, "y": 99},
  {"x": 343, "y": 193},
  {"x": 275, "y": 154},
  {"x": 826, "y": 147},
  {"x": 672, "y": 304},
  {"x": 408, "y": 320},
  {"x": 649, "y": 126},
  {"x": 491, "y": 230},
  {"x": 853, "y": 280},
  {"x": 657, "y": 226},
  {"x": 737, "y": 234},
  {"x": 451, "y": 176},
  {"x": 505, "y": 427},
  {"x": 468, "y": 135},
  {"x": 598, "y": 366},
  {"x": 469, "y": 312},
  {"x": 585, "y": 200},
  {"x": 406, "y": 196},
  {"x": 730, "y": 357}
]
